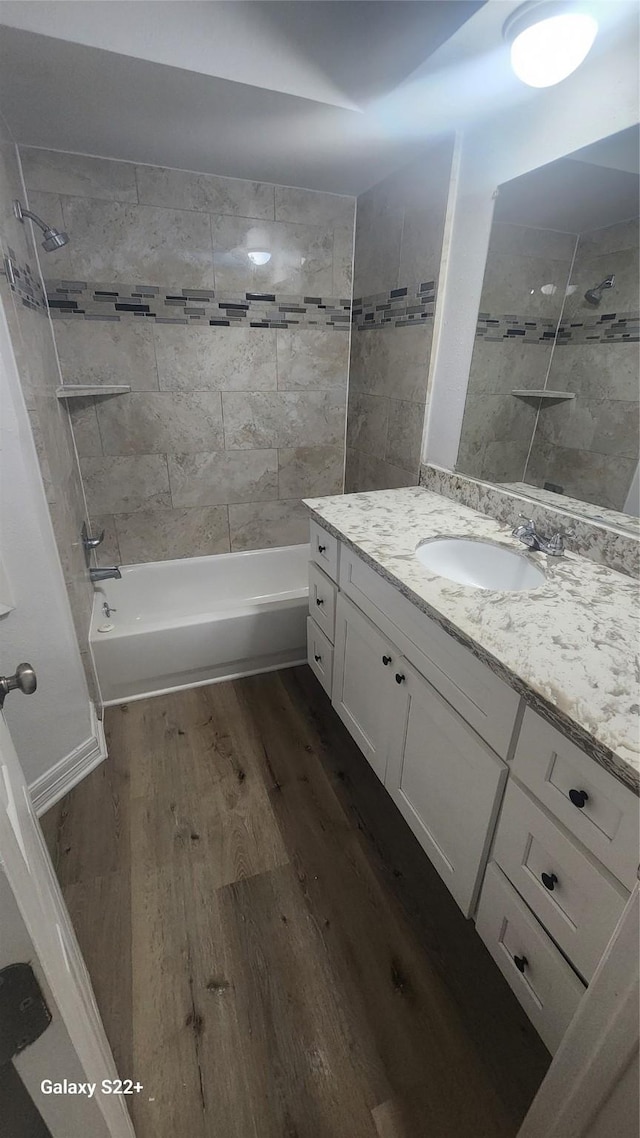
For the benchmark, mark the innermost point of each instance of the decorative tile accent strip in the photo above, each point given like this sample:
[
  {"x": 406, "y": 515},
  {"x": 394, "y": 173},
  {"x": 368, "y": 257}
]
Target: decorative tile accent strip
[
  {"x": 397, "y": 308},
  {"x": 612, "y": 327},
  {"x": 599, "y": 541},
  {"x": 24, "y": 282},
  {"x": 93, "y": 301}
]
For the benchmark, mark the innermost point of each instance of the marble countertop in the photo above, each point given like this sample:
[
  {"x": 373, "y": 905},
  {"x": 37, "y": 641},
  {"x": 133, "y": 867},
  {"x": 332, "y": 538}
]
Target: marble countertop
[{"x": 569, "y": 646}]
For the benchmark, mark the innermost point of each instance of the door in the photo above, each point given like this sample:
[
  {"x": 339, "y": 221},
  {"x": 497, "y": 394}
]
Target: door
[
  {"x": 446, "y": 782},
  {"x": 35, "y": 928},
  {"x": 363, "y": 682}
]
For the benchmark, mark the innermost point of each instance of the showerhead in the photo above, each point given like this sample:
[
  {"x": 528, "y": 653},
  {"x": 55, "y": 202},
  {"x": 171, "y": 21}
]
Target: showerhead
[
  {"x": 53, "y": 239},
  {"x": 594, "y": 295}
]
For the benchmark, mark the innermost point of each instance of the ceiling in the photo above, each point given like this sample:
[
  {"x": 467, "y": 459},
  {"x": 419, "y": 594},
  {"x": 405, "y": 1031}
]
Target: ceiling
[
  {"x": 316, "y": 93},
  {"x": 589, "y": 189},
  {"x": 286, "y": 92}
]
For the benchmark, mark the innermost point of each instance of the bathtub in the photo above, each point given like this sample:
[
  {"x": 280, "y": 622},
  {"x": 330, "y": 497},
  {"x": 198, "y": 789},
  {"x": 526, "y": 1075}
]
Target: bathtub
[{"x": 180, "y": 624}]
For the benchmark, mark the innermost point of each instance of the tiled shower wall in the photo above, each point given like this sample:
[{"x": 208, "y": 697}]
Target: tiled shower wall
[
  {"x": 589, "y": 445},
  {"x": 33, "y": 344},
  {"x": 398, "y": 248},
  {"x": 238, "y": 372},
  {"x": 525, "y": 278}
]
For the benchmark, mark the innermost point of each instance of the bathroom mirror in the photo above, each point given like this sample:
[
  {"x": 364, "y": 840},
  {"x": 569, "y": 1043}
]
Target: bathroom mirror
[{"x": 552, "y": 402}]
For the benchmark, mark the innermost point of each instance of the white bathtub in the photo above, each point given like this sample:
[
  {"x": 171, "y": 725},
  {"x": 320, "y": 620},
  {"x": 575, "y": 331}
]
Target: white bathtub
[{"x": 179, "y": 624}]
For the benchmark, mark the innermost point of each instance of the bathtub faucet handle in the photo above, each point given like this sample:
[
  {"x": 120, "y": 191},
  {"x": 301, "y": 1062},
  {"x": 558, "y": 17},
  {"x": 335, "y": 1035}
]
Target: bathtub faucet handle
[{"x": 89, "y": 543}]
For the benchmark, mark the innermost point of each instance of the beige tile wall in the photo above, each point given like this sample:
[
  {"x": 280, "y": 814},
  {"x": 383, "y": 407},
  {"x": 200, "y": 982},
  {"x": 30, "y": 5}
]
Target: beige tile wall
[
  {"x": 398, "y": 244},
  {"x": 225, "y": 429}
]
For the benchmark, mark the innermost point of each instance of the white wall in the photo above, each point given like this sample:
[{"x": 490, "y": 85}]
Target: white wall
[
  {"x": 49, "y": 725},
  {"x": 599, "y": 99}
]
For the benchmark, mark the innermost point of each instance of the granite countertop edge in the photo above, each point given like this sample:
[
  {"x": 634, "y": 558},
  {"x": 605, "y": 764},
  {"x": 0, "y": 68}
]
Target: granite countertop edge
[{"x": 596, "y": 750}]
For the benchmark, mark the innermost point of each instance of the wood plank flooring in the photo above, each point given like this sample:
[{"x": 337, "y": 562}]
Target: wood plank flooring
[{"x": 272, "y": 953}]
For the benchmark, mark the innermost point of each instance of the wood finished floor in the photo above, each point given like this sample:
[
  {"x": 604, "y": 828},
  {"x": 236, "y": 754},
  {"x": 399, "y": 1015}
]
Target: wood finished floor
[{"x": 272, "y": 953}]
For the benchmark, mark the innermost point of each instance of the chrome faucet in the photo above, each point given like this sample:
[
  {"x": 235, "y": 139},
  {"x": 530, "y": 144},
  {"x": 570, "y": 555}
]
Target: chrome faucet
[
  {"x": 527, "y": 533},
  {"x": 105, "y": 574}
]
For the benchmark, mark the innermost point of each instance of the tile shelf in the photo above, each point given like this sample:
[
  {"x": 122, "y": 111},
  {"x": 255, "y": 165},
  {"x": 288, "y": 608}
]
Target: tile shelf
[
  {"x": 539, "y": 393},
  {"x": 76, "y": 390}
]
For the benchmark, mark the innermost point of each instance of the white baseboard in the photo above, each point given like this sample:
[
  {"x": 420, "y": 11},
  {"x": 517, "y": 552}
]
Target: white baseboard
[{"x": 51, "y": 786}]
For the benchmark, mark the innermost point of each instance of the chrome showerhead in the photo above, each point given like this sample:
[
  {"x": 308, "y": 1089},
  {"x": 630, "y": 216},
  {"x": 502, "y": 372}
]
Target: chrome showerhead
[
  {"x": 594, "y": 295},
  {"x": 53, "y": 239}
]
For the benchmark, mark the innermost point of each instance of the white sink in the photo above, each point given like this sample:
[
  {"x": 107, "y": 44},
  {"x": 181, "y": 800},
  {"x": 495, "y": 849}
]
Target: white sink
[{"x": 481, "y": 564}]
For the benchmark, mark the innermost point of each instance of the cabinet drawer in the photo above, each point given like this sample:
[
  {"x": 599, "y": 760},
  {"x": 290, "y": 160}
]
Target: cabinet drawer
[
  {"x": 581, "y": 907},
  {"x": 481, "y": 697},
  {"x": 319, "y": 654},
  {"x": 546, "y": 986},
  {"x": 324, "y": 549},
  {"x": 322, "y": 600},
  {"x": 587, "y": 799}
]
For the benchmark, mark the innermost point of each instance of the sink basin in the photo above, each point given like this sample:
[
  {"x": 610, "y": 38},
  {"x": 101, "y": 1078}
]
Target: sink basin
[{"x": 481, "y": 564}]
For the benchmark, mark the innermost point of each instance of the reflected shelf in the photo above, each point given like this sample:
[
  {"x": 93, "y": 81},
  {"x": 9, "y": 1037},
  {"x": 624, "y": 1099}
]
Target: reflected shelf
[{"x": 534, "y": 393}]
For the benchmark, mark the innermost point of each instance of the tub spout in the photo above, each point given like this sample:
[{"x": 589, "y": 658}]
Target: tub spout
[{"x": 105, "y": 574}]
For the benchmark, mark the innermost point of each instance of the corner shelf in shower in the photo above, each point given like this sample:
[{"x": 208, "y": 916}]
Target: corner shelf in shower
[
  {"x": 78, "y": 390},
  {"x": 533, "y": 393}
]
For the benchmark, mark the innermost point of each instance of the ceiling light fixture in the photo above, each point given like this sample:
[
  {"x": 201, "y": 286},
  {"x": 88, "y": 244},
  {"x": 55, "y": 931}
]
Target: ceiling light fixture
[
  {"x": 549, "y": 40},
  {"x": 259, "y": 256}
]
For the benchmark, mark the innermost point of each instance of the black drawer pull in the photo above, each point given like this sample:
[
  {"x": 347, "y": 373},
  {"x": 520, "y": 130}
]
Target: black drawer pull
[
  {"x": 318, "y": 659},
  {"x": 321, "y": 548},
  {"x": 400, "y": 678},
  {"x": 520, "y": 962},
  {"x": 549, "y": 880},
  {"x": 319, "y": 601},
  {"x": 578, "y": 797},
  {"x": 386, "y": 660}
]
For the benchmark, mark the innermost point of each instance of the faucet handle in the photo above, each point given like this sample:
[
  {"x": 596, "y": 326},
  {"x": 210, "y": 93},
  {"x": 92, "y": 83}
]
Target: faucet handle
[
  {"x": 524, "y": 524},
  {"x": 93, "y": 542},
  {"x": 555, "y": 544}
]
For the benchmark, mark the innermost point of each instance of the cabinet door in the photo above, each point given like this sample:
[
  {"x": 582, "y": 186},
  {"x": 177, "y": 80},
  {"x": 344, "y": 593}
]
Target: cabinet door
[
  {"x": 363, "y": 682},
  {"x": 446, "y": 782}
]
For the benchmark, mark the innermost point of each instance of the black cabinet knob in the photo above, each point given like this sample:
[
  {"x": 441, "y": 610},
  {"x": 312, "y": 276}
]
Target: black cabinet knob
[
  {"x": 520, "y": 962},
  {"x": 386, "y": 660},
  {"x": 549, "y": 880},
  {"x": 319, "y": 601},
  {"x": 578, "y": 797},
  {"x": 317, "y": 659},
  {"x": 321, "y": 548},
  {"x": 400, "y": 678}
]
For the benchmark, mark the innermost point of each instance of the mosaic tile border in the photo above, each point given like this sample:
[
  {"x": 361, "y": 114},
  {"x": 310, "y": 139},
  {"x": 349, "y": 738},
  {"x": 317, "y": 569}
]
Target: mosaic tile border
[
  {"x": 398, "y": 307},
  {"x": 611, "y": 327},
  {"x": 599, "y": 541},
  {"x": 114, "y": 302},
  {"x": 23, "y": 282}
]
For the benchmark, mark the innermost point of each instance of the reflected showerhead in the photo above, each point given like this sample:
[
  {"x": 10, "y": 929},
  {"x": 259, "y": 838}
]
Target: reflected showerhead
[
  {"x": 594, "y": 295},
  {"x": 53, "y": 239}
]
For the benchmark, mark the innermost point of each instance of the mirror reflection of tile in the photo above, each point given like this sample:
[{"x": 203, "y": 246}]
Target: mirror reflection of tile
[{"x": 545, "y": 324}]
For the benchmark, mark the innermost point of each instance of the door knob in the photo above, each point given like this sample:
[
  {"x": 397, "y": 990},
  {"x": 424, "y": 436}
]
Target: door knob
[{"x": 24, "y": 679}]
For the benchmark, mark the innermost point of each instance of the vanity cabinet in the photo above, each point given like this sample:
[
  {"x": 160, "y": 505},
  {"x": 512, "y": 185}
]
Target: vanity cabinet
[{"x": 533, "y": 838}]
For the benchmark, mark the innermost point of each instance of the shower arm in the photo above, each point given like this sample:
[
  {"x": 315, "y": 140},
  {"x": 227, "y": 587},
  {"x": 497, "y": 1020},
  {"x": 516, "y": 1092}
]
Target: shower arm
[{"x": 21, "y": 214}]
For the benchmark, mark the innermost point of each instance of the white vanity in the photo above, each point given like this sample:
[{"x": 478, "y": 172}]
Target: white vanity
[{"x": 535, "y": 839}]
